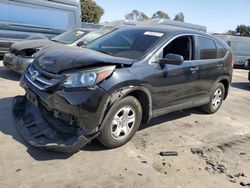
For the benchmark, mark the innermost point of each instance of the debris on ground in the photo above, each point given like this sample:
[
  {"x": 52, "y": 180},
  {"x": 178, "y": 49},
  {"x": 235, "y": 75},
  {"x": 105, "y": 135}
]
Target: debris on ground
[
  {"x": 168, "y": 153},
  {"x": 197, "y": 151},
  {"x": 239, "y": 175},
  {"x": 244, "y": 184}
]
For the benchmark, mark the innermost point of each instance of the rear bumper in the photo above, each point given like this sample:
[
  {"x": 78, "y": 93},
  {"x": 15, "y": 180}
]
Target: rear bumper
[
  {"x": 16, "y": 63},
  {"x": 41, "y": 133}
]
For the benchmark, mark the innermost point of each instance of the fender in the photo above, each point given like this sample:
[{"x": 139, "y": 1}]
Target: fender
[
  {"x": 121, "y": 93},
  {"x": 228, "y": 78}
]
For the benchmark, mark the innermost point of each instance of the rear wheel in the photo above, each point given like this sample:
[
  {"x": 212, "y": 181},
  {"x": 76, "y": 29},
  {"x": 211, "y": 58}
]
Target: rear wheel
[
  {"x": 121, "y": 122},
  {"x": 216, "y": 99}
]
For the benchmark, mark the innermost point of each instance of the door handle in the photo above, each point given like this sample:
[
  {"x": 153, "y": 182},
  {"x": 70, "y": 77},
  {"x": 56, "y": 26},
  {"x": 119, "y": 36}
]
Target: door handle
[
  {"x": 220, "y": 65},
  {"x": 194, "y": 69}
]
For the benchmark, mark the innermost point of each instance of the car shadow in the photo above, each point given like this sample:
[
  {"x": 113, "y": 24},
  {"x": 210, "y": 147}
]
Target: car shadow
[
  {"x": 7, "y": 127},
  {"x": 7, "y": 74},
  {"x": 172, "y": 116},
  {"x": 242, "y": 85}
]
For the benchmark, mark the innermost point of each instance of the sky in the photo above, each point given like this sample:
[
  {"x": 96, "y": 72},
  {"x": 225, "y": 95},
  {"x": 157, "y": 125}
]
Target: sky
[{"x": 217, "y": 15}]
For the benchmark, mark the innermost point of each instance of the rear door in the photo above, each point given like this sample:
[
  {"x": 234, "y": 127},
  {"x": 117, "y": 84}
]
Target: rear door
[{"x": 211, "y": 67}]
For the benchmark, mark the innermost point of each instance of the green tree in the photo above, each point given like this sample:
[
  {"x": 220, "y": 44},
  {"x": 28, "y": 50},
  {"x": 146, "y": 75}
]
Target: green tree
[
  {"x": 243, "y": 30},
  {"x": 161, "y": 14},
  {"x": 179, "y": 17},
  {"x": 136, "y": 15},
  {"x": 91, "y": 12}
]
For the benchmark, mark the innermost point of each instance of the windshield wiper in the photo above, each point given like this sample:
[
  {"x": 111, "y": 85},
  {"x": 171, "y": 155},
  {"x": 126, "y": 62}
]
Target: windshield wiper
[
  {"x": 104, "y": 52},
  {"x": 54, "y": 40}
]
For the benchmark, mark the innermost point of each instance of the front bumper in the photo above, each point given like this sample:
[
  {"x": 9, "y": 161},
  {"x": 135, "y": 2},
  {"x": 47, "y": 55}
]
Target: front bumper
[
  {"x": 16, "y": 63},
  {"x": 41, "y": 133}
]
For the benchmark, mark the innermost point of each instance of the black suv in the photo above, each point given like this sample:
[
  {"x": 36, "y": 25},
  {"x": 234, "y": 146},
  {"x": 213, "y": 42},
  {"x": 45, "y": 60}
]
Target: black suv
[{"x": 119, "y": 81}]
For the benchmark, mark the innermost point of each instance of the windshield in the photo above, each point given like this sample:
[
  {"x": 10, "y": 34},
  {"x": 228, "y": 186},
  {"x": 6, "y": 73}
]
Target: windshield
[
  {"x": 129, "y": 43},
  {"x": 93, "y": 35},
  {"x": 70, "y": 37}
]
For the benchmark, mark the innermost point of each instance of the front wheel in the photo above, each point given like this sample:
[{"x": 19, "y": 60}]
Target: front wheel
[
  {"x": 216, "y": 99},
  {"x": 121, "y": 122}
]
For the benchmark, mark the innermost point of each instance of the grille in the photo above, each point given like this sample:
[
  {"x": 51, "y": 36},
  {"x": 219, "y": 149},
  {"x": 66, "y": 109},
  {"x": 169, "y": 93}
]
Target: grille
[{"x": 41, "y": 79}]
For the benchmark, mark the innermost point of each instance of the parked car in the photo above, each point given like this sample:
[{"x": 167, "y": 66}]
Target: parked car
[
  {"x": 119, "y": 81},
  {"x": 23, "y": 53},
  {"x": 241, "y": 49},
  {"x": 25, "y": 19}
]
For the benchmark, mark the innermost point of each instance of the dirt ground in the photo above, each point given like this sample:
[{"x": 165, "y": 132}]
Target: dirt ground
[{"x": 213, "y": 150}]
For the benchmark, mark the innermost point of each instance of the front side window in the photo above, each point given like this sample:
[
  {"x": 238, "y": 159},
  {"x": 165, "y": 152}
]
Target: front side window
[
  {"x": 129, "y": 43},
  {"x": 183, "y": 46},
  {"x": 207, "y": 48},
  {"x": 70, "y": 37}
]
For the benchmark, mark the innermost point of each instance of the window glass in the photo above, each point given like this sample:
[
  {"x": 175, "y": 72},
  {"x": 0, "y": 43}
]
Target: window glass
[
  {"x": 207, "y": 48},
  {"x": 93, "y": 35},
  {"x": 128, "y": 43},
  {"x": 240, "y": 46},
  {"x": 36, "y": 15},
  {"x": 70, "y": 37},
  {"x": 181, "y": 46},
  {"x": 221, "y": 50}
]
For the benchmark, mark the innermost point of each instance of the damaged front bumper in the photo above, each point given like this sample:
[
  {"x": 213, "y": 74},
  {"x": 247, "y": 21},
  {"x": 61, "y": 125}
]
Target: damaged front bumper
[
  {"x": 42, "y": 133},
  {"x": 16, "y": 63}
]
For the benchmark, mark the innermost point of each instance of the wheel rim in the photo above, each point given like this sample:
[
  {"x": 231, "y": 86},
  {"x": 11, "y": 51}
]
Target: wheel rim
[
  {"x": 217, "y": 99},
  {"x": 123, "y": 122}
]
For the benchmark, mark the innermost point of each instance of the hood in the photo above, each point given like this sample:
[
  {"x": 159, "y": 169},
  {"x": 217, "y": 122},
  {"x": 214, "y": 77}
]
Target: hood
[
  {"x": 56, "y": 59},
  {"x": 31, "y": 44}
]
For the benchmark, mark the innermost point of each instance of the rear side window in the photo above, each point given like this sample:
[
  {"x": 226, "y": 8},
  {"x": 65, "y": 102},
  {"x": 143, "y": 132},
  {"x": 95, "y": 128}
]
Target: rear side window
[
  {"x": 221, "y": 51},
  {"x": 207, "y": 48}
]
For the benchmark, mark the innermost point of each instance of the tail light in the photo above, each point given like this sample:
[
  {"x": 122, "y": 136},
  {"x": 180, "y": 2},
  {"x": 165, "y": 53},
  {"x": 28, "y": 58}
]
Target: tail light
[{"x": 232, "y": 60}]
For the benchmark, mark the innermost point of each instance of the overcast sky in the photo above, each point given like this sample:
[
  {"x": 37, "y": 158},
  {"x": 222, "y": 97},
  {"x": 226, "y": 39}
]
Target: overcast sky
[{"x": 216, "y": 15}]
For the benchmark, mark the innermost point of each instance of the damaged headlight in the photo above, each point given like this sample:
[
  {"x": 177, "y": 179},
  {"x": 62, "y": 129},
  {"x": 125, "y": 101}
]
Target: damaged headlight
[{"x": 88, "y": 78}]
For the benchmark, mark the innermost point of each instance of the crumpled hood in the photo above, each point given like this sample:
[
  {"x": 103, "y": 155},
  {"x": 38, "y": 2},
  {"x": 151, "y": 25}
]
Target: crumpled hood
[
  {"x": 56, "y": 59},
  {"x": 37, "y": 44}
]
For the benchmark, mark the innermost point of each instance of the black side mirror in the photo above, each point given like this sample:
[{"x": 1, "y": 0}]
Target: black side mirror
[
  {"x": 79, "y": 44},
  {"x": 172, "y": 59}
]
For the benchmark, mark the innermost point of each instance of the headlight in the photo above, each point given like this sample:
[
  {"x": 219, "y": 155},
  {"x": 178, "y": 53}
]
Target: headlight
[{"x": 88, "y": 78}]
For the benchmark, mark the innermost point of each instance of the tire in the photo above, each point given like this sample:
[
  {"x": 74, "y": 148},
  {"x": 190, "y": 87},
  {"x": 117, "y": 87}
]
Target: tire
[
  {"x": 121, "y": 123},
  {"x": 216, "y": 99}
]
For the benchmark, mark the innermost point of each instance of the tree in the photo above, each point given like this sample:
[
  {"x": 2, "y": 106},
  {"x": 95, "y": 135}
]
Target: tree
[
  {"x": 160, "y": 14},
  {"x": 230, "y": 32},
  {"x": 91, "y": 12},
  {"x": 243, "y": 30},
  {"x": 179, "y": 17},
  {"x": 136, "y": 15}
]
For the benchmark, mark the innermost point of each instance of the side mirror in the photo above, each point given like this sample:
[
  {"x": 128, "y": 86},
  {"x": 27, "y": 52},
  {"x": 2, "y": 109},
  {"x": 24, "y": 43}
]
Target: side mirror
[
  {"x": 172, "y": 59},
  {"x": 79, "y": 44}
]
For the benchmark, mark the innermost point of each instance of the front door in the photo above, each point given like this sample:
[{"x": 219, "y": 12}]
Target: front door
[{"x": 175, "y": 86}]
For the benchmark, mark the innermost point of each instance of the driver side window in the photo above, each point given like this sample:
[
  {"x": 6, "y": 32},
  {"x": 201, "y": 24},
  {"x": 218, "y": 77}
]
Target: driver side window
[{"x": 183, "y": 46}]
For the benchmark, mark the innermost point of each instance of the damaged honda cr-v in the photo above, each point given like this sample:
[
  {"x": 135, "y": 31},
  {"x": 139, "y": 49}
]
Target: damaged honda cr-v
[{"x": 118, "y": 82}]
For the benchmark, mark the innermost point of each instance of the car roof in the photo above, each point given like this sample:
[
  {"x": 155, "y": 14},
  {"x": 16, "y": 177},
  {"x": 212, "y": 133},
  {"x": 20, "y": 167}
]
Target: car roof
[{"x": 176, "y": 31}]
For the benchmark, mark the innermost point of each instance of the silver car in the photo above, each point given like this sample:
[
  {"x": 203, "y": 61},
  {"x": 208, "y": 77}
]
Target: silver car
[{"x": 23, "y": 53}]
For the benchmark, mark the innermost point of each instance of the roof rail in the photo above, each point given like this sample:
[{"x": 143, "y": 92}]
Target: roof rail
[{"x": 172, "y": 24}]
